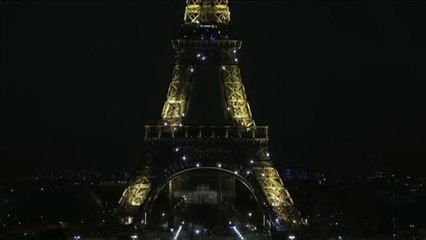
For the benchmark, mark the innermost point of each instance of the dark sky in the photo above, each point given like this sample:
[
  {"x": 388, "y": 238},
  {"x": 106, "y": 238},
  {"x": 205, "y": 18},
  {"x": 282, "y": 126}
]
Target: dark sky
[{"x": 340, "y": 83}]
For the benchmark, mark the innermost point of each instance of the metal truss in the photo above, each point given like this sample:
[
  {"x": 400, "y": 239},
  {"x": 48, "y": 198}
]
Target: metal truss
[
  {"x": 176, "y": 104},
  {"x": 136, "y": 194},
  {"x": 207, "y": 11},
  {"x": 277, "y": 195},
  {"x": 237, "y": 105},
  {"x": 208, "y": 144}
]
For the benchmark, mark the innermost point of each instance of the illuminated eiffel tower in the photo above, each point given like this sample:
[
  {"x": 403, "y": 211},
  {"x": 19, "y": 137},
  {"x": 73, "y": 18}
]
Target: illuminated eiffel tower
[{"x": 237, "y": 147}]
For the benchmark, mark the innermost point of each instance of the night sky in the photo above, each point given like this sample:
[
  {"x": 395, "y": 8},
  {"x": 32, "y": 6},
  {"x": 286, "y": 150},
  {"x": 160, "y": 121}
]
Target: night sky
[{"x": 340, "y": 83}]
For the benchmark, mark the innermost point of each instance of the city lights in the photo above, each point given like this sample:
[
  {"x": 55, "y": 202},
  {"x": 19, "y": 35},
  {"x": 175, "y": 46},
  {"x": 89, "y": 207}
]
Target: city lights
[{"x": 185, "y": 164}]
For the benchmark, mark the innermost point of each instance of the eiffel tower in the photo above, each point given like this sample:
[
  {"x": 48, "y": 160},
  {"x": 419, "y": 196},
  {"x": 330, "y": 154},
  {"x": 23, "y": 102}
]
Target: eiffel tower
[{"x": 236, "y": 147}]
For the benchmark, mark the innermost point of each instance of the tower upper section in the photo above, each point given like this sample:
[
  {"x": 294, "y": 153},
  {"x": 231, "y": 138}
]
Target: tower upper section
[{"x": 207, "y": 12}]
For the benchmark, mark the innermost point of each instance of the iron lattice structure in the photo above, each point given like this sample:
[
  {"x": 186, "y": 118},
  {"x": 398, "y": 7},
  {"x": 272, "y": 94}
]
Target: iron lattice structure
[
  {"x": 238, "y": 147},
  {"x": 207, "y": 11}
]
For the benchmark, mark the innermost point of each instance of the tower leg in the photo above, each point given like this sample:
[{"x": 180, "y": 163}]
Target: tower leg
[
  {"x": 133, "y": 197},
  {"x": 176, "y": 104},
  {"x": 237, "y": 106},
  {"x": 277, "y": 196}
]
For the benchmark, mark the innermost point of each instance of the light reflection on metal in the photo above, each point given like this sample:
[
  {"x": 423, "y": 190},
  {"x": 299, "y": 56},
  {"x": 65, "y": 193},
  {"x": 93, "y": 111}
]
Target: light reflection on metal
[
  {"x": 235, "y": 96},
  {"x": 207, "y": 12},
  {"x": 277, "y": 195},
  {"x": 256, "y": 170},
  {"x": 136, "y": 193},
  {"x": 175, "y": 107}
]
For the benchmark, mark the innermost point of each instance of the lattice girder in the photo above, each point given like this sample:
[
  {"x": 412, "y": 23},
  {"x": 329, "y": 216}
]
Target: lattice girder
[
  {"x": 192, "y": 13},
  {"x": 277, "y": 195},
  {"x": 175, "y": 106},
  {"x": 235, "y": 97},
  {"x": 207, "y": 11},
  {"x": 205, "y": 146},
  {"x": 136, "y": 194}
]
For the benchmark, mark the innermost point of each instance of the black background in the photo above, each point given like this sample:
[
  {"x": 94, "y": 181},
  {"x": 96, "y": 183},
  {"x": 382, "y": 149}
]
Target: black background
[{"x": 340, "y": 83}]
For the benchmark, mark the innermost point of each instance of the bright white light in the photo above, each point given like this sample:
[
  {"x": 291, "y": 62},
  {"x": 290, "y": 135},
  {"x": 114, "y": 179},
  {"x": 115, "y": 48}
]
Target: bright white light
[
  {"x": 236, "y": 172},
  {"x": 263, "y": 174},
  {"x": 203, "y": 58},
  {"x": 197, "y": 231},
  {"x": 236, "y": 59},
  {"x": 163, "y": 214},
  {"x": 134, "y": 237},
  {"x": 237, "y": 232},
  {"x": 198, "y": 165},
  {"x": 250, "y": 214},
  {"x": 76, "y": 237},
  {"x": 191, "y": 70},
  {"x": 177, "y": 233},
  {"x": 291, "y": 237},
  {"x": 198, "y": 55},
  {"x": 177, "y": 149},
  {"x": 248, "y": 172},
  {"x": 165, "y": 124},
  {"x": 223, "y": 67},
  {"x": 251, "y": 161},
  {"x": 184, "y": 158},
  {"x": 219, "y": 165},
  {"x": 268, "y": 154},
  {"x": 235, "y": 51}
]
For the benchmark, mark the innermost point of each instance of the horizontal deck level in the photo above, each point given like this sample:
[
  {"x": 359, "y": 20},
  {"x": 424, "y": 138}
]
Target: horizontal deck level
[{"x": 206, "y": 132}]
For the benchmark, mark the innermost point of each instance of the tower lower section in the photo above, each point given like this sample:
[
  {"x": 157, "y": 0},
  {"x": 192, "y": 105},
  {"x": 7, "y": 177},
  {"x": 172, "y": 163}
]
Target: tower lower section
[{"x": 240, "y": 152}]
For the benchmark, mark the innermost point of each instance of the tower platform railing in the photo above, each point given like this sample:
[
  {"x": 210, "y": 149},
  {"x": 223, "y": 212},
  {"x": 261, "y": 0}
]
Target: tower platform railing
[
  {"x": 204, "y": 44},
  {"x": 203, "y": 132}
]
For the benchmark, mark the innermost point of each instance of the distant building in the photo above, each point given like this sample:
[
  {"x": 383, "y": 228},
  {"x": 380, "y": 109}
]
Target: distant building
[{"x": 201, "y": 196}]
